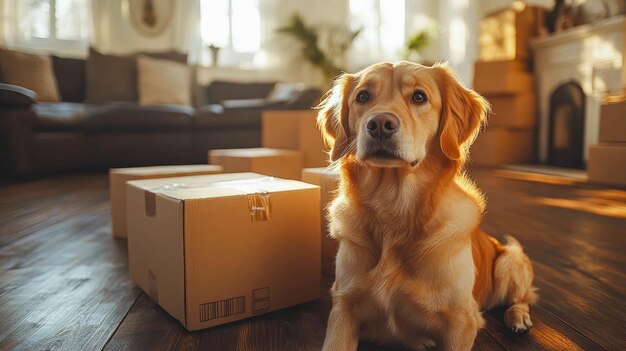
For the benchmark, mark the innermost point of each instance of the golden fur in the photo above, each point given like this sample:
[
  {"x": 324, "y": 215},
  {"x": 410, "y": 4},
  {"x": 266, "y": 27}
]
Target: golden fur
[{"x": 413, "y": 267}]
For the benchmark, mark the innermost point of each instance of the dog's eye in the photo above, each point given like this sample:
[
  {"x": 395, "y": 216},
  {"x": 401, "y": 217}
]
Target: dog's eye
[
  {"x": 419, "y": 97},
  {"x": 363, "y": 96}
]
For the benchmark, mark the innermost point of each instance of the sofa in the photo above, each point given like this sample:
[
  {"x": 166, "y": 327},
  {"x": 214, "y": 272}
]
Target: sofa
[{"x": 72, "y": 135}]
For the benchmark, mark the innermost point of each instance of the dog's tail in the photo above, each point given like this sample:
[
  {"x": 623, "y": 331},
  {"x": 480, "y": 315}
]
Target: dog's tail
[{"x": 513, "y": 273}]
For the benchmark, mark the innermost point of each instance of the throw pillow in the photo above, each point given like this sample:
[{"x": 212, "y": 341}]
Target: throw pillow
[
  {"x": 163, "y": 82},
  {"x": 110, "y": 78},
  {"x": 30, "y": 71}
]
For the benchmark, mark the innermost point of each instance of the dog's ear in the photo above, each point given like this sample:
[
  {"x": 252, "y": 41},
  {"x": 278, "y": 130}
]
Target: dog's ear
[
  {"x": 332, "y": 118},
  {"x": 463, "y": 113}
]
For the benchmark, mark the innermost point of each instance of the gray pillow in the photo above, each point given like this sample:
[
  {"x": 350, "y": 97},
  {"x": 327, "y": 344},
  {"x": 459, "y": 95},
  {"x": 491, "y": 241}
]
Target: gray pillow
[
  {"x": 114, "y": 78},
  {"x": 110, "y": 78}
]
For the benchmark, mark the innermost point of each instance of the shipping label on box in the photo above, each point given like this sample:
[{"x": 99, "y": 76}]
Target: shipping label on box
[
  {"x": 328, "y": 182},
  {"x": 117, "y": 186},
  {"x": 216, "y": 249}
]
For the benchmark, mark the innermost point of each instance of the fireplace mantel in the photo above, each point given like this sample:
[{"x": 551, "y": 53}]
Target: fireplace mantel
[{"x": 590, "y": 55}]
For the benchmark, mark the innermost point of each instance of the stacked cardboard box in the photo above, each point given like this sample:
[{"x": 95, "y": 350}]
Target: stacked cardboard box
[
  {"x": 607, "y": 159},
  {"x": 117, "y": 186},
  {"x": 220, "y": 248},
  {"x": 216, "y": 249},
  {"x": 505, "y": 34},
  {"x": 509, "y": 136},
  {"x": 273, "y": 162},
  {"x": 327, "y": 181},
  {"x": 295, "y": 130},
  {"x": 501, "y": 75},
  {"x": 291, "y": 141}
]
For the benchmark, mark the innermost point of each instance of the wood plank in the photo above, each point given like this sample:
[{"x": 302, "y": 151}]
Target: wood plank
[{"x": 64, "y": 280}]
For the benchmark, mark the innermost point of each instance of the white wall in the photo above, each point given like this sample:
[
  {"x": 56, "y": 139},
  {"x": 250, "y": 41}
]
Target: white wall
[
  {"x": 114, "y": 33},
  {"x": 283, "y": 53}
]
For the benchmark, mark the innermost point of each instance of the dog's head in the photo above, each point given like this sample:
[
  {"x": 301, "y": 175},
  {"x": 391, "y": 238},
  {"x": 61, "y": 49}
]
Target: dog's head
[{"x": 393, "y": 115}]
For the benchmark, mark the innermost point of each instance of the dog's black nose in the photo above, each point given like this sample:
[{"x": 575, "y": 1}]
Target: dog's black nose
[{"x": 382, "y": 126}]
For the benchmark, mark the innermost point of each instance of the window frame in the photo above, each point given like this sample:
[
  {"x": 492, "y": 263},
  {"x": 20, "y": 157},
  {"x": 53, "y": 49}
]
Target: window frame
[
  {"x": 52, "y": 43},
  {"x": 375, "y": 52},
  {"x": 229, "y": 57}
]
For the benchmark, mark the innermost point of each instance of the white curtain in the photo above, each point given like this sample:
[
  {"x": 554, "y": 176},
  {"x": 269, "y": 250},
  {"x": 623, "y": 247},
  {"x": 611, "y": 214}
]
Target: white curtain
[
  {"x": 10, "y": 25},
  {"x": 32, "y": 28},
  {"x": 186, "y": 29}
]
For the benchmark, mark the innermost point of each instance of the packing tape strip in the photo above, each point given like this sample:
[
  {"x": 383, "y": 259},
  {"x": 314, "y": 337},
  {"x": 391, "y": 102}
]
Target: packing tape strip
[{"x": 259, "y": 200}]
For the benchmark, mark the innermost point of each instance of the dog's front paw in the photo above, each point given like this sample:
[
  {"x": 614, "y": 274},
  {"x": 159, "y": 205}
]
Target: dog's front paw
[{"x": 517, "y": 318}]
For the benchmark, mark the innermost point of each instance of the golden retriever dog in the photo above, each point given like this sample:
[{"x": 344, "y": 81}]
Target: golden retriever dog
[{"x": 413, "y": 267}]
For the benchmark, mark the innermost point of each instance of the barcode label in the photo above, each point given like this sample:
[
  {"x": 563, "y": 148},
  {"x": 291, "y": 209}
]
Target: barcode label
[{"x": 223, "y": 308}]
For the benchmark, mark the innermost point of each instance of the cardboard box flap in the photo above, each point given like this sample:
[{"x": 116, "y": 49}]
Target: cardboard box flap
[
  {"x": 221, "y": 185},
  {"x": 253, "y": 152},
  {"x": 161, "y": 170}
]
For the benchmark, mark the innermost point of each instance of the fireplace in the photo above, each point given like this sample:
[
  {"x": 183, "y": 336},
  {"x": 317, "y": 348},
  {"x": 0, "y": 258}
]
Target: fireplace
[
  {"x": 574, "y": 70},
  {"x": 567, "y": 125}
]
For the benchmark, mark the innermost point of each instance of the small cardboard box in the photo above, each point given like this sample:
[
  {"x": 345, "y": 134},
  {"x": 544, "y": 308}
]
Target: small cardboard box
[
  {"x": 502, "y": 78},
  {"x": 295, "y": 130},
  {"x": 613, "y": 122},
  {"x": 117, "y": 186},
  {"x": 503, "y": 145},
  {"x": 220, "y": 248},
  {"x": 328, "y": 182},
  {"x": 513, "y": 111},
  {"x": 273, "y": 162},
  {"x": 607, "y": 163}
]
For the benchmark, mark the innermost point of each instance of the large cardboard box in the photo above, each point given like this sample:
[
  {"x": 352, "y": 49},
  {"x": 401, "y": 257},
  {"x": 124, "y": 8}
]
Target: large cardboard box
[
  {"x": 295, "y": 130},
  {"x": 513, "y": 111},
  {"x": 495, "y": 146},
  {"x": 613, "y": 122},
  {"x": 117, "y": 186},
  {"x": 607, "y": 163},
  {"x": 328, "y": 182},
  {"x": 502, "y": 78},
  {"x": 273, "y": 162},
  {"x": 220, "y": 248}
]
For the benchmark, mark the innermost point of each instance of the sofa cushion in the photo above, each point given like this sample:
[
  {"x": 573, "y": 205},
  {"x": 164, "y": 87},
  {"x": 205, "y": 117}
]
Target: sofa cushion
[
  {"x": 210, "y": 117},
  {"x": 120, "y": 116},
  {"x": 163, "y": 82},
  {"x": 219, "y": 91},
  {"x": 114, "y": 78},
  {"x": 59, "y": 116},
  {"x": 30, "y": 71},
  {"x": 70, "y": 74}
]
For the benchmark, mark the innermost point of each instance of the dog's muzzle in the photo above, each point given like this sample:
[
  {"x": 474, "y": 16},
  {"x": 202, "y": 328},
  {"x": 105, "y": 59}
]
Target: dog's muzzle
[{"x": 381, "y": 129}]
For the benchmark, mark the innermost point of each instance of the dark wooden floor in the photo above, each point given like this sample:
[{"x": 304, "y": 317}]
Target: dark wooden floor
[{"x": 64, "y": 285}]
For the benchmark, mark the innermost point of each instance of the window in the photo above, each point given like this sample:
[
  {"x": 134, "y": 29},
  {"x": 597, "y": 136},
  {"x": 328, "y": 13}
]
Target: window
[
  {"x": 232, "y": 25},
  {"x": 383, "y": 29},
  {"x": 54, "y": 24}
]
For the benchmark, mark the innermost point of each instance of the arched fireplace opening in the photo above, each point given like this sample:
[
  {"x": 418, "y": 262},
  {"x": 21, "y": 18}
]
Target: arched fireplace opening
[{"x": 567, "y": 126}]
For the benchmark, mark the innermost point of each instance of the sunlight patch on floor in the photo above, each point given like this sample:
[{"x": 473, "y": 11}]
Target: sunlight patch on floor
[
  {"x": 534, "y": 177},
  {"x": 595, "y": 205}
]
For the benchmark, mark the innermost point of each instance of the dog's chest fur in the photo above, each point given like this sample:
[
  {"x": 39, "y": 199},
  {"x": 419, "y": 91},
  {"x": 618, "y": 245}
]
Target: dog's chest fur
[{"x": 390, "y": 259}]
